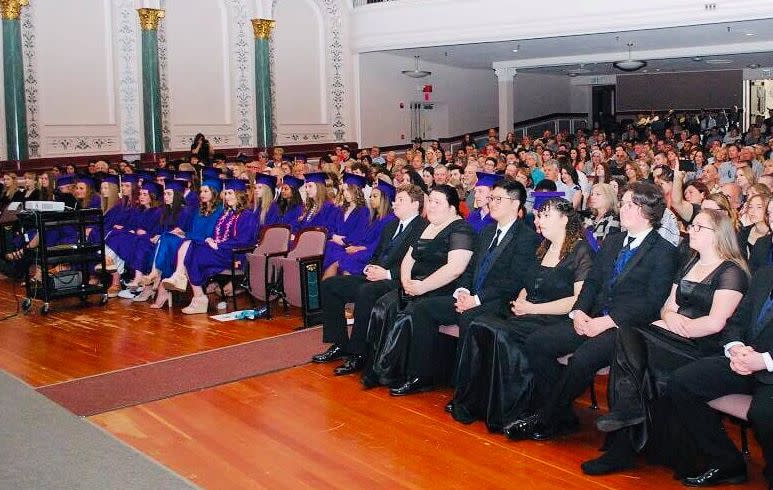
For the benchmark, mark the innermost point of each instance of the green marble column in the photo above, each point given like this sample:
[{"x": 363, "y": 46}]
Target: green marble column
[
  {"x": 151, "y": 93},
  {"x": 262, "y": 29},
  {"x": 13, "y": 78}
]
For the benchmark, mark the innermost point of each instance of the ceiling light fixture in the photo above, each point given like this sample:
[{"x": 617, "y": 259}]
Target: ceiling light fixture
[
  {"x": 516, "y": 48},
  {"x": 753, "y": 65},
  {"x": 630, "y": 64},
  {"x": 416, "y": 73}
]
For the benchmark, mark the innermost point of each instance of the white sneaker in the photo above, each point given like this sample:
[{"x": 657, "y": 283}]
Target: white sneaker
[{"x": 128, "y": 293}]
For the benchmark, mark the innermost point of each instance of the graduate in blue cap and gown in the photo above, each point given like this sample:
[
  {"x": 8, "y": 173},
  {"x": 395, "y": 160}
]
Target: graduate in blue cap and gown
[
  {"x": 289, "y": 202},
  {"x": 480, "y": 217},
  {"x": 265, "y": 209},
  {"x": 190, "y": 194},
  {"x": 173, "y": 245},
  {"x": 142, "y": 223},
  {"x": 112, "y": 212},
  {"x": 317, "y": 210},
  {"x": 204, "y": 259},
  {"x": 351, "y": 221},
  {"x": 362, "y": 244}
]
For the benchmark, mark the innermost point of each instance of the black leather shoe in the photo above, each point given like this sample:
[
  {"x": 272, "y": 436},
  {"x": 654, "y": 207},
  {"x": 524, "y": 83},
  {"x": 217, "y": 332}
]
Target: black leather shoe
[
  {"x": 717, "y": 476},
  {"x": 449, "y": 407},
  {"x": 608, "y": 463},
  {"x": 353, "y": 364},
  {"x": 368, "y": 382},
  {"x": 546, "y": 432},
  {"x": 413, "y": 385},
  {"x": 522, "y": 428},
  {"x": 614, "y": 421},
  {"x": 333, "y": 353}
]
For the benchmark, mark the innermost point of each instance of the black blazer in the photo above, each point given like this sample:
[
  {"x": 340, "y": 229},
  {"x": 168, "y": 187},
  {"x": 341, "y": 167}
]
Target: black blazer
[
  {"x": 515, "y": 253},
  {"x": 739, "y": 326},
  {"x": 390, "y": 255},
  {"x": 642, "y": 286},
  {"x": 758, "y": 258}
]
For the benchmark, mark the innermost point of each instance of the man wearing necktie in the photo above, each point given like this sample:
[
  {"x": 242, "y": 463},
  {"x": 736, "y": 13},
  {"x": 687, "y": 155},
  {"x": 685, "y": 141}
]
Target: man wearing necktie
[
  {"x": 495, "y": 274},
  {"x": 630, "y": 279},
  {"x": 746, "y": 368},
  {"x": 380, "y": 277}
]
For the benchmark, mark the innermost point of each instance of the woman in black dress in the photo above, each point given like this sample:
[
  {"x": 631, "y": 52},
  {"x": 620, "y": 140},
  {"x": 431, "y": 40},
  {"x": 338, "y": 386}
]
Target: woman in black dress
[
  {"x": 493, "y": 378},
  {"x": 430, "y": 268},
  {"x": 704, "y": 295}
]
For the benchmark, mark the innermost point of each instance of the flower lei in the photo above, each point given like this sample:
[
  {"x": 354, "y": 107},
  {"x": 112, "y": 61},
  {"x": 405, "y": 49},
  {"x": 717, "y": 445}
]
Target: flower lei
[
  {"x": 312, "y": 212},
  {"x": 226, "y": 226}
]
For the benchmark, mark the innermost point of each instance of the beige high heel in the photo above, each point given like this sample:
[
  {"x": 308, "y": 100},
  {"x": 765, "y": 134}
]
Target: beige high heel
[
  {"x": 162, "y": 296},
  {"x": 199, "y": 305},
  {"x": 176, "y": 282},
  {"x": 145, "y": 295}
]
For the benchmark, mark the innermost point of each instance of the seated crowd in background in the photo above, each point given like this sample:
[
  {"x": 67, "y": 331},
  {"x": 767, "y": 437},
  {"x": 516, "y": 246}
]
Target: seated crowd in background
[{"x": 639, "y": 258}]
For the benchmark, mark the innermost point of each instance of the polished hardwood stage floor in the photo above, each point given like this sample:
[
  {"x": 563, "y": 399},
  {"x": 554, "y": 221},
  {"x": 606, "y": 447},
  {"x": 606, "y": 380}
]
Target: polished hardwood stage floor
[
  {"x": 300, "y": 427},
  {"x": 73, "y": 341}
]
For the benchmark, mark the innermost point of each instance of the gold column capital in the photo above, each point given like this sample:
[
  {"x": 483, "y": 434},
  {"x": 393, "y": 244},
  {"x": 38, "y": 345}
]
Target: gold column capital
[
  {"x": 262, "y": 28},
  {"x": 149, "y": 18},
  {"x": 11, "y": 9}
]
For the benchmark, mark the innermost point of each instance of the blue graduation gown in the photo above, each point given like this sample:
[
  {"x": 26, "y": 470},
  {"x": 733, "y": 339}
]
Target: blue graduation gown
[
  {"x": 125, "y": 243},
  {"x": 199, "y": 228},
  {"x": 351, "y": 227},
  {"x": 203, "y": 262},
  {"x": 356, "y": 262},
  {"x": 272, "y": 218},
  {"x": 325, "y": 218},
  {"x": 476, "y": 222}
]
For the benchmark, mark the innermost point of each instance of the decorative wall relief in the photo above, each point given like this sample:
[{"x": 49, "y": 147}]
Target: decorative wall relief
[
  {"x": 241, "y": 54},
  {"x": 129, "y": 77},
  {"x": 81, "y": 144},
  {"x": 163, "y": 73},
  {"x": 32, "y": 101}
]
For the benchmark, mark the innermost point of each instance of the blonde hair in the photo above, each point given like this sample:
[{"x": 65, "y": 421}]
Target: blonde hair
[
  {"x": 314, "y": 204},
  {"x": 264, "y": 197},
  {"x": 107, "y": 202},
  {"x": 609, "y": 194},
  {"x": 748, "y": 173},
  {"x": 384, "y": 206},
  {"x": 726, "y": 237}
]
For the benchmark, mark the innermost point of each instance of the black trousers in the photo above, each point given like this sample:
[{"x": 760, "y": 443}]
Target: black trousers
[
  {"x": 557, "y": 387},
  {"x": 337, "y": 291},
  {"x": 701, "y": 381},
  {"x": 425, "y": 352}
]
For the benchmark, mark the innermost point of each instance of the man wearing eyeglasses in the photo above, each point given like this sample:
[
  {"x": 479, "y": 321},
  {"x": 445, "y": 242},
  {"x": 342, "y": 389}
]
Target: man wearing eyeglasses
[
  {"x": 630, "y": 280},
  {"x": 495, "y": 274}
]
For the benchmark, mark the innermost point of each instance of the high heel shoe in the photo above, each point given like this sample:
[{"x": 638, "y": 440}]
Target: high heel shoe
[
  {"x": 145, "y": 295},
  {"x": 148, "y": 280},
  {"x": 199, "y": 304},
  {"x": 162, "y": 296},
  {"x": 176, "y": 282}
]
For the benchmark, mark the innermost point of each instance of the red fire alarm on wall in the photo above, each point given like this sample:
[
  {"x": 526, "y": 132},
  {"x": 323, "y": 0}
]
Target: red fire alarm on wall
[{"x": 427, "y": 90}]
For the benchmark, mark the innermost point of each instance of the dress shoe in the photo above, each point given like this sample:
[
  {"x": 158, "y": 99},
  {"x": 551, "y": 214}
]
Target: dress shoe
[
  {"x": 523, "y": 427},
  {"x": 368, "y": 382},
  {"x": 609, "y": 462},
  {"x": 416, "y": 384},
  {"x": 198, "y": 306},
  {"x": 717, "y": 476},
  {"x": 333, "y": 353},
  {"x": 353, "y": 364},
  {"x": 614, "y": 421},
  {"x": 449, "y": 407},
  {"x": 546, "y": 432}
]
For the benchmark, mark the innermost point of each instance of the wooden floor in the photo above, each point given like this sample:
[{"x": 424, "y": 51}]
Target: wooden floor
[
  {"x": 304, "y": 428},
  {"x": 73, "y": 341},
  {"x": 298, "y": 428}
]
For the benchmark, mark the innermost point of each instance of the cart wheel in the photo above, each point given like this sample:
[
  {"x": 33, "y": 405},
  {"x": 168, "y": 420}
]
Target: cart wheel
[
  {"x": 103, "y": 300},
  {"x": 26, "y": 304},
  {"x": 44, "y": 309}
]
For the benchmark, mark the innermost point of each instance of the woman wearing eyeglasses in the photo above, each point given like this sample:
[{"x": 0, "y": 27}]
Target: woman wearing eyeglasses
[{"x": 705, "y": 293}]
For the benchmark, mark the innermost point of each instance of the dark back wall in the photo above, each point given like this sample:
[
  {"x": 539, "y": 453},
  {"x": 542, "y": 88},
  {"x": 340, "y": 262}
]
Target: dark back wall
[{"x": 687, "y": 90}]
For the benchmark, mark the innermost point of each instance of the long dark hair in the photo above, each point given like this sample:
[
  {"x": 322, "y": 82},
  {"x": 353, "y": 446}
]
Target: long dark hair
[
  {"x": 171, "y": 212},
  {"x": 575, "y": 231},
  {"x": 287, "y": 204}
]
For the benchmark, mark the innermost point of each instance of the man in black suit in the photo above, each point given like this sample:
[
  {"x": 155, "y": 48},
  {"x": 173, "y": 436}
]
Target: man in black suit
[
  {"x": 381, "y": 276},
  {"x": 494, "y": 276},
  {"x": 630, "y": 279},
  {"x": 746, "y": 368}
]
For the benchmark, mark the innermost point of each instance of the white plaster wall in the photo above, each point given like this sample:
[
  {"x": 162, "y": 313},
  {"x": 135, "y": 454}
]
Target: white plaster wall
[
  {"x": 538, "y": 95},
  {"x": 466, "y": 99},
  {"x": 299, "y": 37},
  {"x": 74, "y": 78}
]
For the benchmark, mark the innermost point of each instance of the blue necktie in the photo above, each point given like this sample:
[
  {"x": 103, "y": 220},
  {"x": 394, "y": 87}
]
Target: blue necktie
[
  {"x": 623, "y": 258},
  {"x": 485, "y": 263},
  {"x": 763, "y": 317}
]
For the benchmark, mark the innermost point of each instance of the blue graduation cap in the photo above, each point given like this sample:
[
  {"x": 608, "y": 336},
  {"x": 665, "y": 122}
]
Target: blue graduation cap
[
  {"x": 184, "y": 175},
  {"x": 210, "y": 173},
  {"x": 175, "y": 185},
  {"x": 354, "y": 179},
  {"x": 153, "y": 188},
  {"x": 300, "y": 157},
  {"x": 84, "y": 179},
  {"x": 145, "y": 175},
  {"x": 388, "y": 189},
  {"x": 164, "y": 174},
  {"x": 110, "y": 179},
  {"x": 130, "y": 178},
  {"x": 317, "y": 177},
  {"x": 488, "y": 180},
  {"x": 266, "y": 179},
  {"x": 293, "y": 182},
  {"x": 214, "y": 185},
  {"x": 235, "y": 185},
  {"x": 65, "y": 180},
  {"x": 542, "y": 196}
]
